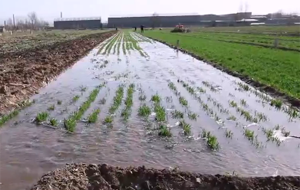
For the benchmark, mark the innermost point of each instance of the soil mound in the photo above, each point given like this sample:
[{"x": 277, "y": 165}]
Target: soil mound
[
  {"x": 104, "y": 177},
  {"x": 23, "y": 73}
]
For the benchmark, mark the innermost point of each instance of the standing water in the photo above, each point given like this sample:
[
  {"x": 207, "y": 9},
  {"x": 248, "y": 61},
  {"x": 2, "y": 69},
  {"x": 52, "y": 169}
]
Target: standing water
[{"x": 134, "y": 101}]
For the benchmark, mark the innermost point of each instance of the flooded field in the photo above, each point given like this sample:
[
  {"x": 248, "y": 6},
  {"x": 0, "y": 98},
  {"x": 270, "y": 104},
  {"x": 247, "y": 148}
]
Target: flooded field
[{"x": 134, "y": 101}]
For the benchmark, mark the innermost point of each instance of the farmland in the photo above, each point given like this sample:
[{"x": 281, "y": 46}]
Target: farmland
[
  {"x": 273, "y": 67},
  {"x": 135, "y": 101}
]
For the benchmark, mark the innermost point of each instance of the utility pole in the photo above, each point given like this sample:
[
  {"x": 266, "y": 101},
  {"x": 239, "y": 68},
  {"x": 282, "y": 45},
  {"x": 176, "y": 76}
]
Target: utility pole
[{"x": 14, "y": 23}]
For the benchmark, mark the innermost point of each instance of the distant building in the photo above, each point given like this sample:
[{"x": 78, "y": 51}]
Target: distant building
[
  {"x": 1, "y": 29},
  {"x": 172, "y": 21},
  {"x": 78, "y": 23}
]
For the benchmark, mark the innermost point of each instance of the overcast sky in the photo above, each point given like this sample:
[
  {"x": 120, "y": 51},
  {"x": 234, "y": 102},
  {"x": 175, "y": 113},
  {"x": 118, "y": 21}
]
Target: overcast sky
[{"x": 50, "y": 9}]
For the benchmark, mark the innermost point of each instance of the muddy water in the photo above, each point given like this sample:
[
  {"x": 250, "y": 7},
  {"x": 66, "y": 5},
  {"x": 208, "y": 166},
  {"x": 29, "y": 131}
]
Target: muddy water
[{"x": 27, "y": 150}]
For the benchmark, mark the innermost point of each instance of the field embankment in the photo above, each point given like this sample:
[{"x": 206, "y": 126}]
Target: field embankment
[
  {"x": 273, "y": 70},
  {"x": 81, "y": 176},
  {"x": 24, "y": 72}
]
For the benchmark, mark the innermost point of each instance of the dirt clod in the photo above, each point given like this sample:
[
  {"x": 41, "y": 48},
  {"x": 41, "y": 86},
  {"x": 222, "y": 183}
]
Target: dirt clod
[{"x": 104, "y": 177}]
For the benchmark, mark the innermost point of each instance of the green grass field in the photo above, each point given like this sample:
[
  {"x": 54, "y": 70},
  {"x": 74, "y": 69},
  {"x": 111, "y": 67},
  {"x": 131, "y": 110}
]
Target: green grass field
[{"x": 278, "y": 68}]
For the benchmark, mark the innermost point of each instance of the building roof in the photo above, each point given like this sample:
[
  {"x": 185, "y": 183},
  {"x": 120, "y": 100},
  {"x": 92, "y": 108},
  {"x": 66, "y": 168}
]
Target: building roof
[{"x": 77, "y": 19}]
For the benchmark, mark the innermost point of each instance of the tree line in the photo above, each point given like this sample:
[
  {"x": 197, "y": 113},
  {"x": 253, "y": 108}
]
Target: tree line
[{"x": 32, "y": 22}]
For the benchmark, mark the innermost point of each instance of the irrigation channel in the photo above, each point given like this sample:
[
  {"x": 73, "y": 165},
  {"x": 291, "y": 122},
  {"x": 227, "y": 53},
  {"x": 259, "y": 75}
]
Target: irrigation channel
[{"x": 134, "y": 101}]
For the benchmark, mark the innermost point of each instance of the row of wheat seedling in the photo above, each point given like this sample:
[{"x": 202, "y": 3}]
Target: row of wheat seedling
[
  {"x": 293, "y": 113},
  {"x": 117, "y": 102},
  {"x": 128, "y": 103},
  {"x": 211, "y": 141},
  {"x": 71, "y": 122}
]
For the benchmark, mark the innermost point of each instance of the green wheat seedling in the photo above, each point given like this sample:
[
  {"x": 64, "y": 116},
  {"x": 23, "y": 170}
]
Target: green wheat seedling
[
  {"x": 212, "y": 141},
  {"x": 108, "y": 120},
  {"x": 83, "y": 88},
  {"x": 233, "y": 118},
  {"x": 41, "y": 117},
  {"x": 172, "y": 86},
  {"x": 164, "y": 131},
  {"x": 276, "y": 103},
  {"x": 70, "y": 124},
  {"x": 142, "y": 97},
  {"x": 75, "y": 98},
  {"x": 102, "y": 101},
  {"x": 177, "y": 114},
  {"x": 192, "y": 116},
  {"x": 232, "y": 104},
  {"x": 8, "y": 117},
  {"x": 186, "y": 127},
  {"x": 155, "y": 98},
  {"x": 261, "y": 117},
  {"x": 249, "y": 134},
  {"x": 183, "y": 101},
  {"x": 268, "y": 133},
  {"x": 160, "y": 113},
  {"x": 53, "y": 122},
  {"x": 51, "y": 108},
  {"x": 292, "y": 113},
  {"x": 117, "y": 100},
  {"x": 144, "y": 111},
  {"x": 128, "y": 102},
  {"x": 59, "y": 102},
  {"x": 229, "y": 134},
  {"x": 246, "y": 115},
  {"x": 245, "y": 87},
  {"x": 201, "y": 90},
  {"x": 243, "y": 102},
  {"x": 94, "y": 116}
]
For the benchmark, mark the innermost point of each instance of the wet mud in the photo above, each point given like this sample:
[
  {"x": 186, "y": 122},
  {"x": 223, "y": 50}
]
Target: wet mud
[
  {"x": 94, "y": 177},
  {"x": 262, "y": 87},
  {"x": 23, "y": 73}
]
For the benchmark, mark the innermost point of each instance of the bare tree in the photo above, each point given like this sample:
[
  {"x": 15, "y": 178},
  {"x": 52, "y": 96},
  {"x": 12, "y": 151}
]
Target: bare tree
[
  {"x": 33, "y": 19},
  {"x": 155, "y": 20}
]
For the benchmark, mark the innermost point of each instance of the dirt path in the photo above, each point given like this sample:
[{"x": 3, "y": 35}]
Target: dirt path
[
  {"x": 133, "y": 101},
  {"x": 23, "y": 73},
  {"x": 81, "y": 176}
]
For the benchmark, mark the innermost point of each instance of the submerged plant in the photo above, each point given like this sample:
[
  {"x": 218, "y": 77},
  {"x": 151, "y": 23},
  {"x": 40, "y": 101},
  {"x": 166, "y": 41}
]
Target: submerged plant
[
  {"x": 243, "y": 102},
  {"x": 94, "y": 116},
  {"x": 144, "y": 111},
  {"x": 172, "y": 86},
  {"x": 177, "y": 114},
  {"x": 59, "y": 102},
  {"x": 53, "y": 122},
  {"x": 164, "y": 131},
  {"x": 229, "y": 133},
  {"x": 276, "y": 103},
  {"x": 233, "y": 118},
  {"x": 192, "y": 116},
  {"x": 183, "y": 101},
  {"x": 41, "y": 117},
  {"x": 51, "y": 108},
  {"x": 75, "y": 98},
  {"x": 102, "y": 101},
  {"x": 142, "y": 97},
  {"x": 83, "y": 88}
]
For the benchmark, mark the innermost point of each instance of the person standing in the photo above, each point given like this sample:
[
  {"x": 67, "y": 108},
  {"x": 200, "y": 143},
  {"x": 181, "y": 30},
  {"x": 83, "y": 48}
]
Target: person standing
[{"x": 142, "y": 28}]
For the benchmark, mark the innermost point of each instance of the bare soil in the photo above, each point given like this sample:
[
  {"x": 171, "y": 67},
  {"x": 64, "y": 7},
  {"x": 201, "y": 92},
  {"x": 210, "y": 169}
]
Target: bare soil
[
  {"x": 104, "y": 177},
  {"x": 23, "y": 73}
]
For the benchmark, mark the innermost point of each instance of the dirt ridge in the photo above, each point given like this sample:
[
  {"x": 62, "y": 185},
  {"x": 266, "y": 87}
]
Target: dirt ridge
[
  {"x": 22, "y": 73},
  {"x": 260, "y": 86},
  {"x": 105, "y": 177}
]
